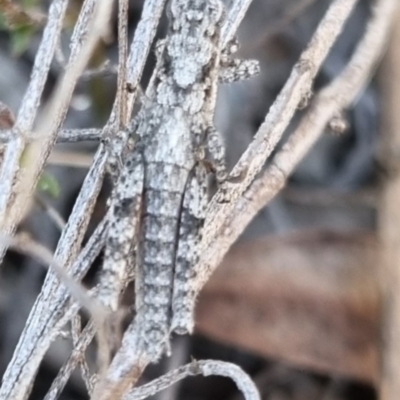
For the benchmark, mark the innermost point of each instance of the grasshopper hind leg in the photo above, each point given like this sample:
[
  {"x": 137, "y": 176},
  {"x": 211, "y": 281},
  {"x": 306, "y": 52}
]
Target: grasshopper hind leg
[
  {"x": 188, "y": 252},
  {"x": 122, "y": 233}
]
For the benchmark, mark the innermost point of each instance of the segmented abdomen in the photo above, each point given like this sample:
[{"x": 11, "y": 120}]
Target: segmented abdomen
[{"x": 164, "y": 189}]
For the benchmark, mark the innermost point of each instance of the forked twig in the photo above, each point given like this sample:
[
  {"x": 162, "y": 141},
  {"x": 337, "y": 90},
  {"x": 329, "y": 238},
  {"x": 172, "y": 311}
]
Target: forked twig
[
  {"x": 335, "y": 97},
  {"x": 281, "y": 112}
]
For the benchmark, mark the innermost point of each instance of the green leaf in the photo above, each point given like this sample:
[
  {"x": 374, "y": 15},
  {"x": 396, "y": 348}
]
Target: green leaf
[
  {"x": 20, "y": 39},
  {"x": 30, "y": 3},
  {"x": 48, "y": 184},
  {"x": 3, "y": 25}
]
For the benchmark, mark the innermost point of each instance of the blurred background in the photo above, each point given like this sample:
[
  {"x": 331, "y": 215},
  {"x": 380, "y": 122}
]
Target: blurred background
[{"x": 295, "y": 302}]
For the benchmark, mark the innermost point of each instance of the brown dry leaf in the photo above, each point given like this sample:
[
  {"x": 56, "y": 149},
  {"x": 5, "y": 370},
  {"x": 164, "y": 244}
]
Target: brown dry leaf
[
  {"x": 310, "y": 300},
  {"x": 7, "y": 118}
]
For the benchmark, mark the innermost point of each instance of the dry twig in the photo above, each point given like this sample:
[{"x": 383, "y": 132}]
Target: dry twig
[
  {"x": 225, "y": 221},
  {"x": 203, "y": 367},
  {"x": 335, "y": 97},
  {"x": 281, "y": 112}
]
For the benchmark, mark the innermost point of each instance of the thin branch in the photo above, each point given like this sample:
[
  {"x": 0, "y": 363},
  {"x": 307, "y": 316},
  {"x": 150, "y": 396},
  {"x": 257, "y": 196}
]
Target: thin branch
[
  {"x": 45, "y": 53},
  {"x": 107, "y": 68},
  {"x": 234, "y": 18},
  {"x": 76, "y": 331},
  {"x": 15, "y": 197},
  {"x": 25, "y": 245},
  {"x": 29, "y": 107},
  {"x": 122, "y": 90},
  {"x": 126, "y": 367},
  {"x": 78, "y": 135},
  {"x": 323, "y": 197},
  {"x": 48, "y": 316},
  {"x": 179, "y": 355},
  {"x": 71, "y": 159},
  {"x": 98, "y": 313},
  {"x": 53, "y": 214},
  {"x": 79, "y": 349},
  {"x": 281, "y": 112},
  {"x": 341, "y": 93},
  {"x": 34, "y": 341},
  {"x": 65, "y": 135},
  {"x": 140, "y": 46},
  {"x": 114, "y": 134},
  {"x": 37, "y": 153},
  {"x": 45, "y": 321},
  {"x": 116, "y": 385},
  {"x": 59, "y": 55},
  {"x": 66, "y": 370},
  {"x": 205, "y": 368}
]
